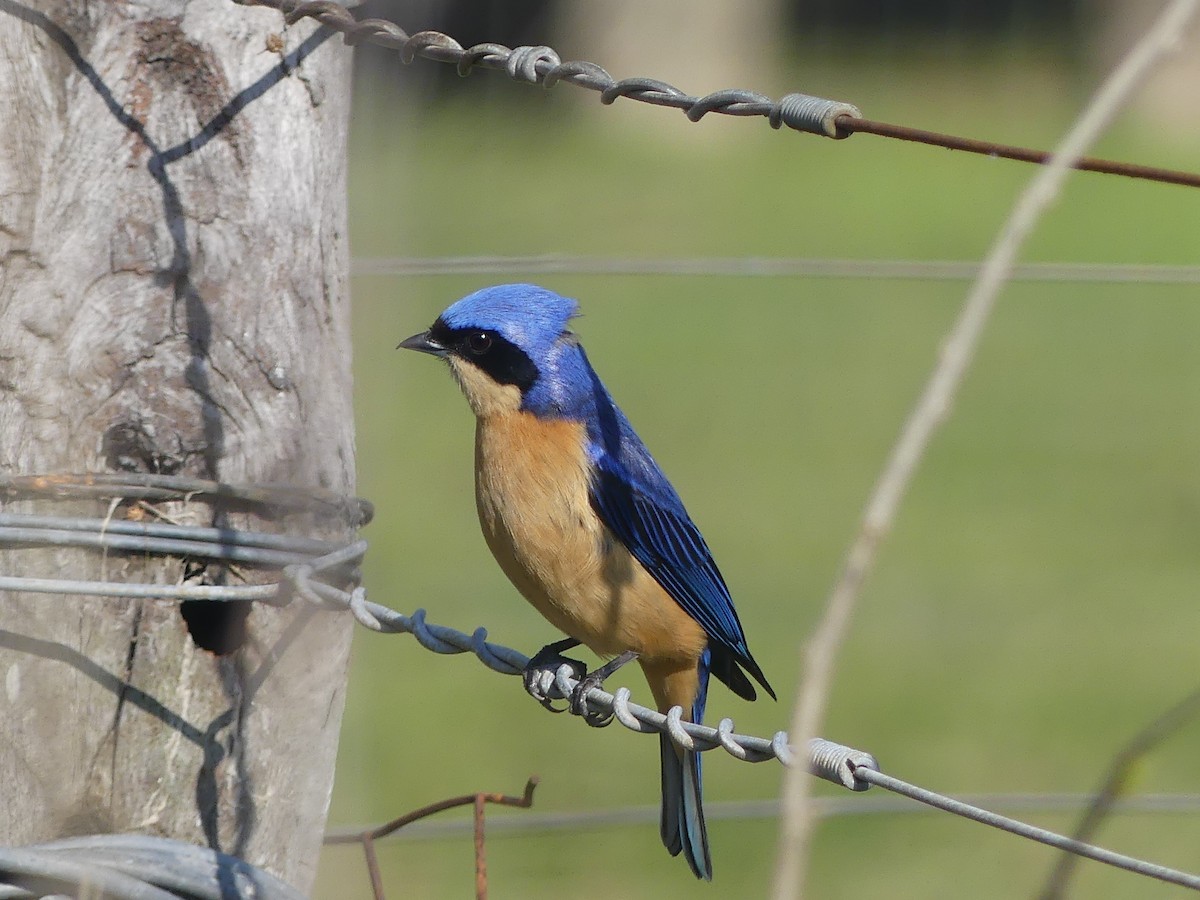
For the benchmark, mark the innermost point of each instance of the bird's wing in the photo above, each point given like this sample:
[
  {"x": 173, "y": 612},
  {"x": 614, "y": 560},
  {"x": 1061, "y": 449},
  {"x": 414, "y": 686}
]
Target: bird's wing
[
  {"x": 633, "y": 497},
  {"x": 648, "y": 518}
]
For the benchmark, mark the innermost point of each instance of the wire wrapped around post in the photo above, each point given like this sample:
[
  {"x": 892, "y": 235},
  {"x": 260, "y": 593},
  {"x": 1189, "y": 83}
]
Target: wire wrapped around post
[{"x": 324, "y": 575}]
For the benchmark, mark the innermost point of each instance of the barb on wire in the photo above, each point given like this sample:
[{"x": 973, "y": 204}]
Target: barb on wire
[
  {"x": 800, "y": 112},
  {"x": 479, "y": 800}
]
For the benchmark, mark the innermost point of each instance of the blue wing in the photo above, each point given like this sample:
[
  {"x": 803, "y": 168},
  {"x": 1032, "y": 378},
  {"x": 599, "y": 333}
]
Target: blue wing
[
  {"x": 634, "y": 499},
  {"x": 665, "y": 541}
]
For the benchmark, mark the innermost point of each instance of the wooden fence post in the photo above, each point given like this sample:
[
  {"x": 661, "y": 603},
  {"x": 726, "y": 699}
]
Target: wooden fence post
[{"x": 174, "y": 299}]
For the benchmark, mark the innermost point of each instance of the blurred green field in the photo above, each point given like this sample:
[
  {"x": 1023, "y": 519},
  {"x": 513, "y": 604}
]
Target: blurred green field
[{"x": 1034, "y": 607}]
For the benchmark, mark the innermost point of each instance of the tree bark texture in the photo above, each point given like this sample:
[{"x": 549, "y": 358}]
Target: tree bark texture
[{"x": 173, "y": 299}]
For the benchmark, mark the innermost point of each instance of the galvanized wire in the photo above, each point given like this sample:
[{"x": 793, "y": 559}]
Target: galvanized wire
[
  {"x": 766, "y": 267},
  {"x": 226, "y": 544},
  {"x": 134, "y": 867},
  {"x": 152, "y": 868},
  {"x": 838, "y": 807},
  {"x": 306, "y": 569},
  {"x": 1032, "y": 832},
  {"x": 299, "y": 571},
  {"x": 301, "y": 561},
  {"x": 299, "y": 558},
  {"x": 269, "y": 498}
]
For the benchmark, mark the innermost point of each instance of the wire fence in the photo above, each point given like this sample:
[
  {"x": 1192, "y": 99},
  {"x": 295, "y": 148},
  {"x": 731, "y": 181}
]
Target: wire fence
[
  {"x": 316, "y": 572},
  {"x": 324, "y": 574},
  {"x": 366, "y": 838},
  {"x": 799, "y": 112},
  {"x": 929, "y": 412},
  {"x": 767, "y": 267},
  {"x": 858, "y": 806},
  {"x": 133, "y": 867}
]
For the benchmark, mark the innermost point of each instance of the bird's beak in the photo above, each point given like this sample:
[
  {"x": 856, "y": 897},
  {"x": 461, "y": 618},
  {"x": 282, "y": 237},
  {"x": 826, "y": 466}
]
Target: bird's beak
[{"x": 424, "y": 343}]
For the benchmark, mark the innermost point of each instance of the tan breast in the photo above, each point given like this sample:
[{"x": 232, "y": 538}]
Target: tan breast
[{"x": 531, "y": 488}]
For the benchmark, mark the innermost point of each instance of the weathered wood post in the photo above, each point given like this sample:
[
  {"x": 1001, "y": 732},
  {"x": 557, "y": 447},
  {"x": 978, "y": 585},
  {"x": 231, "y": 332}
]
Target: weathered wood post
[{"x": 173, "y": 299}]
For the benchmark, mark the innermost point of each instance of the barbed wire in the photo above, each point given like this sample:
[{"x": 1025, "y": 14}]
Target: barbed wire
[
  {"x": 799, "y": 112},
  {"x": 766, "y": 267},
  {"x": 306, "y": 570}
]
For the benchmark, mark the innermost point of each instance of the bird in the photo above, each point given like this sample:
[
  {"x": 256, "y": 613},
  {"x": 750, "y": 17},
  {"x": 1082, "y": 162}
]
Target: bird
[{"x": 587, "y": 527}]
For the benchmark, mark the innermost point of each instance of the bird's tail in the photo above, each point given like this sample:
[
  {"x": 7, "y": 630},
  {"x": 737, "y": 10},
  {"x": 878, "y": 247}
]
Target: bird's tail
[{"x": 682, "y": 825}]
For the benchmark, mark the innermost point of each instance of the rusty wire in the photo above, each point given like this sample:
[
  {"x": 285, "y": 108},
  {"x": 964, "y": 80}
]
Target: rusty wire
[
  {"x": 1020, "y": 154},
  {"x": 801, "y": 112},
  {"x": 479, "y": 801}
]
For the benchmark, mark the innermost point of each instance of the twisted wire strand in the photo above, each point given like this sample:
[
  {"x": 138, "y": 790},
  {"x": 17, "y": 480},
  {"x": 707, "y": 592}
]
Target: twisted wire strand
[
  {"x": 542, "y": 65},
  {"x": 800, "y": 112},
  {"x": 152, "y": 868},
  {"x": 837, "y": 763},
  {"x": 134, "y": 867},
  {"x": 304, "y": 563}
]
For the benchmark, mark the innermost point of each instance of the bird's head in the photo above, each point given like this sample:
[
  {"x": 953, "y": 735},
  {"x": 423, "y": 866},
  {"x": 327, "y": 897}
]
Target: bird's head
[{"x": 505, "y": 346}]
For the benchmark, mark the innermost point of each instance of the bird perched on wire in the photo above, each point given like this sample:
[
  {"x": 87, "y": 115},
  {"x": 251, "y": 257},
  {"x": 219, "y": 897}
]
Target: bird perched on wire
[{"x": 587, "y": 527}]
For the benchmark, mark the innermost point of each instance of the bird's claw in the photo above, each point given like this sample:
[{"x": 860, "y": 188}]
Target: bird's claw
[
  {"x": 542, "y": 681},
  {"x": 541, "y": 672},
  {"x": 578, "y": 701}
]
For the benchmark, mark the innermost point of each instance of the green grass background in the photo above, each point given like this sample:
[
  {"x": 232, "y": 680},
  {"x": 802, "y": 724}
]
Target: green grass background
[{"x": 1035, "y": 604}]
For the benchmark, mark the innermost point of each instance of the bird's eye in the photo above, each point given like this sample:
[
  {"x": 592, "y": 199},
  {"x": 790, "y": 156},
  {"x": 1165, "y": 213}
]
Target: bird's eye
[{"x": 479, "y": 343}]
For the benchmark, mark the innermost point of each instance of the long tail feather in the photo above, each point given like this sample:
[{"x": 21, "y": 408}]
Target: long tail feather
[
  {"x": 683, "y": 828},
  {"x": 682, "y": 825}
]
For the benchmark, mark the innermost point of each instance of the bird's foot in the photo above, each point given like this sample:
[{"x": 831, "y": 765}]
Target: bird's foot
[
  {"x": 540, "y": 672},
  {"x": 578, "y": 701}
]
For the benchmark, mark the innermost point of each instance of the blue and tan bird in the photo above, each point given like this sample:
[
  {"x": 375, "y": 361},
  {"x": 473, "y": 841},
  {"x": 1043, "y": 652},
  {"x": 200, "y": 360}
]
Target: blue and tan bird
[{"x": 587, "y": 527}]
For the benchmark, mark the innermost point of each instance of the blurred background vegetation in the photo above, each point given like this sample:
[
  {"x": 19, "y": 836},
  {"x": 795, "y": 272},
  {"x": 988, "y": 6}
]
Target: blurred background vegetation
[{"x": 1036, "y": 603}]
